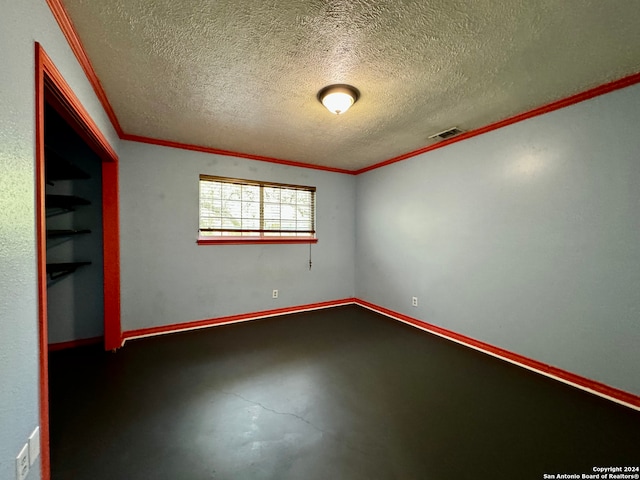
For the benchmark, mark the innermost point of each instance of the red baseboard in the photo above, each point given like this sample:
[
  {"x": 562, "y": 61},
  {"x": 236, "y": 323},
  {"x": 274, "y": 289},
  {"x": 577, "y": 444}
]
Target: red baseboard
[
  {"x": 610, "y": 393},
  {"x": 619, "y": 396},
  {"x": 245, "y": 317},
  {"x": 55, "y": 347}
]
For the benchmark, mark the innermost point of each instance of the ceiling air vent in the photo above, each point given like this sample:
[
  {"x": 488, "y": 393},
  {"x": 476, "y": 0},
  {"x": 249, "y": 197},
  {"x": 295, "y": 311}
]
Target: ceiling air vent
[{"x": 448, "y": 133}]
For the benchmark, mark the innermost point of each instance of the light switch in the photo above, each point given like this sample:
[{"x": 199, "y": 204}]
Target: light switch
[
  {"x": 34, "y": 446},
  {"x": 22, "y": 463}
]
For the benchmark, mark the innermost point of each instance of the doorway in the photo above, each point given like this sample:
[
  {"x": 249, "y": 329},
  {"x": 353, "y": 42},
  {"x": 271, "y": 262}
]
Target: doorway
[
  {"x": 73, "y": 205},
  {"x": 55, "y": 97}
]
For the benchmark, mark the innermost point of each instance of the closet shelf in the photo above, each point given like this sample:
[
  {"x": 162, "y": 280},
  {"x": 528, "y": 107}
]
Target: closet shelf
[
  {"x": 57, "y": 270},
  {"x": 66, "y": 202},
  {"x": 59, "y": 168},
  {"x": 66, "y": 233}
]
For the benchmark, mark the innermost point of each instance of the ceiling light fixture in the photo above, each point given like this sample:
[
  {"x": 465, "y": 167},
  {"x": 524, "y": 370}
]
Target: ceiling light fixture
[{"x": 338, "y": 98}]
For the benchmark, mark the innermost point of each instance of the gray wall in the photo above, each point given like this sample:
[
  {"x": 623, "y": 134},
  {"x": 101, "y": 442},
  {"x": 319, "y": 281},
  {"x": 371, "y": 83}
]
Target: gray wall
[
  {"x": 527, "y": 238},
  {"x": 168, "y": 279},
  {"x": 22, "y": 23}
]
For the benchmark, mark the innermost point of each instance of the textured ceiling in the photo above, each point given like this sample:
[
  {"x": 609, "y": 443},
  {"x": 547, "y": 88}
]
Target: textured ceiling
[{"x": 243, "y": 75}]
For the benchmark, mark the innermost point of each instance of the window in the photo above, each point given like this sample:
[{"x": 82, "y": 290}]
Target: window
[{"x": 245, "y": 211}]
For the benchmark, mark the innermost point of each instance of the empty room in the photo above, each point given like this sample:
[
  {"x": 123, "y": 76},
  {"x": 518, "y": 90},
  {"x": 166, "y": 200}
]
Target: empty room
[{"x": 315, "y": 240}]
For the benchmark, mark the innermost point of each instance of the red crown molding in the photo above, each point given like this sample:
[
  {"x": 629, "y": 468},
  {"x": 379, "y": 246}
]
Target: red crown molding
[
  {"x": 73, "y": 39},
  {"x": 216, "y": 151},
  {"x": 245, "y": 317},
  {"x": 565, "y": 102},
  {"x": 619, "y": 396},
  {"x": 70, "y": 33}
]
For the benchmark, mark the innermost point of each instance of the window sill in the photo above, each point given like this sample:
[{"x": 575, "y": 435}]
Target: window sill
[{"x": 253, "y": 240}]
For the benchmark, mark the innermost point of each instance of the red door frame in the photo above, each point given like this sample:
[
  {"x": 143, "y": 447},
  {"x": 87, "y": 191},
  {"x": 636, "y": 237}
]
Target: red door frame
[{"x": 51, "y": 85}]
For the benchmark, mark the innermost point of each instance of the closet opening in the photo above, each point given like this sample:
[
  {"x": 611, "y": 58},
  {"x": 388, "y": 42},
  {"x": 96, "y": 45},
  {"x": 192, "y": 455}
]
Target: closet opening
[{"x": 77, "y": 228}]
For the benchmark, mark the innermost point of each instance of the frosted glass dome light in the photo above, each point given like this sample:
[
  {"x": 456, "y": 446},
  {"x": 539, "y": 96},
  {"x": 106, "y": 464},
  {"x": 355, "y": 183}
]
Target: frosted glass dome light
[{"x": 338, "y": 98}]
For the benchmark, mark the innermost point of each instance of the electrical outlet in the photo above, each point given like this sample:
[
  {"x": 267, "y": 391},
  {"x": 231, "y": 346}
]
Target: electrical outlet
[
  {"x": 414, "y": 301},
  {"x": 34, "y": 446},
  {"x": 22, "y": 463},
  {"x": 275, "y": 294}
]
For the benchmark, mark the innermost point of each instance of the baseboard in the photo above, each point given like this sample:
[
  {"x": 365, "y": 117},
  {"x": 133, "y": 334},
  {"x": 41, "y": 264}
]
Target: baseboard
[
  {"x": 83, "y": 342},
  {"x": 597, "y": 388},
  {"x": 610, "y": 393},
  {"x": 245, "y": 317}
]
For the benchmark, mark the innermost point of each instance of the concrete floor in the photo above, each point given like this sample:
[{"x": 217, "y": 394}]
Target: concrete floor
[{"x": 334, "y": 394}]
